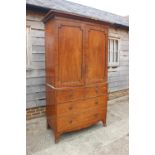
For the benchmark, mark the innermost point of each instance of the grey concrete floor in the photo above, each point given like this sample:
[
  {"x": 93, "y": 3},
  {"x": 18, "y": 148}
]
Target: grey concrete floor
[{"x": 95, "y": 140}]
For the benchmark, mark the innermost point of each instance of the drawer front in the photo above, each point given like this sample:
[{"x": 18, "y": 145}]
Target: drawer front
[
  {"x": 77, "y": 115},
  {"x": 75, "y": 94},
  {"x": 96, "y": 91},
  {"x": 81, "y": 106},
  {"x": 78, "y": 121},
  {"x": 69, "y": 95}
]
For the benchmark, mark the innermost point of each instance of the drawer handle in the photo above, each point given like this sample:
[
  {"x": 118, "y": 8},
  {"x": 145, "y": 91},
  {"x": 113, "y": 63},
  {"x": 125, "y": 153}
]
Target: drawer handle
[
  {"x": 95, "y": 115},
  {"x": 70, "y": 121},
  {"x": 70, "y": 108},
  {"x": 96, "y": 102}
]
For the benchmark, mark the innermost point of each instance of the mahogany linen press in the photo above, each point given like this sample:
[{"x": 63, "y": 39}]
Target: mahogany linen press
[{"x": 76, "y": 51}]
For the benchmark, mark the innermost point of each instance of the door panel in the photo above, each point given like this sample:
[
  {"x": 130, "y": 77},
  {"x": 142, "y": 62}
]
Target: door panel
[
  {"x": 95, "y": 55},
  {"x": 70, "y": 55}
]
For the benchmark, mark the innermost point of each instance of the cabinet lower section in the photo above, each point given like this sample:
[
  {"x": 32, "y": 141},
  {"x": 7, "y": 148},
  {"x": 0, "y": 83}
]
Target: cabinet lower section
[{"x": 65, "y": 114}]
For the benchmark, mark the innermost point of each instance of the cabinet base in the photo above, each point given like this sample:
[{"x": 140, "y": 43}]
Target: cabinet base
[
  {"x": 104, "y": 123},
  {"x": 58, "y": 134},
  {"x": 57, "y": 137},
  {"x": 48, "y": 126}
]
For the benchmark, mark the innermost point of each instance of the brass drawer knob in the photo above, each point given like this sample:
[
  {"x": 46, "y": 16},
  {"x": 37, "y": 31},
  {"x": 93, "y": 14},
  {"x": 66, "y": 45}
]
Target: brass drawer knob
[
  {"x": 70, "y": 121},
  {"x": 70, "y": 108},
  {"x": 95, "y": 115},
  {"x": 96, "y": 102}
]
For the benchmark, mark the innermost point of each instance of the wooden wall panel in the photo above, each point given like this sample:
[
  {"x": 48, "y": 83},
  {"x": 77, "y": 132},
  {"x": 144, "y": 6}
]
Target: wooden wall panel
[
  {"x": 118, "y": 77},
  {"x": 35, "y": 76}
]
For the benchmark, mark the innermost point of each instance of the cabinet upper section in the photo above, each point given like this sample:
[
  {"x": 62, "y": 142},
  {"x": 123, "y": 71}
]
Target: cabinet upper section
[{"x": 76, "y": 51}]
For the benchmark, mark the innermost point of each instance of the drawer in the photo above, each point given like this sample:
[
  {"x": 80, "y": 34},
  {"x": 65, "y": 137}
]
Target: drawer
[
  {"x": 78, "y": 121},
  {"x": 69, "y": 95},
  {"x": 80, "y": 106},
  {"x": 95, "y": 91},
  {"x": 75, "y": 94}
]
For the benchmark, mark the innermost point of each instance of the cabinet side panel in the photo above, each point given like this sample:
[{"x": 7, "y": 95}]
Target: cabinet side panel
[
  {"x": 50, "y": 52},
  {"x": 50, "y": 61},
  {"x": 51, "y": 107}
]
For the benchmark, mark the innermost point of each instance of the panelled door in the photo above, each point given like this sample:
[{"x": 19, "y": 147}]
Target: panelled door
[
  {"x": 96, "y": 54},
  {"x": 70, "y": 54}
]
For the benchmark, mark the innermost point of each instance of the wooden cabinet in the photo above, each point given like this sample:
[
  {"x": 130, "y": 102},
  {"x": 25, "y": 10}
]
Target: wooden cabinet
[{"x": 76, "y": 72}]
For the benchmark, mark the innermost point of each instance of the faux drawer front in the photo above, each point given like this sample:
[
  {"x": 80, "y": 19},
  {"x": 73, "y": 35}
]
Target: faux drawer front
[
  {"x": 69, "y": 95},
  {"x": 75, "y": 94},
  {"x": 81, "y": 106},
  {"x": 96, "y": 91},
  {"x": 78, "y": 121}
]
